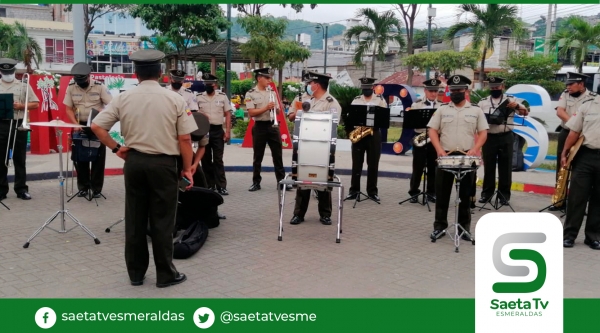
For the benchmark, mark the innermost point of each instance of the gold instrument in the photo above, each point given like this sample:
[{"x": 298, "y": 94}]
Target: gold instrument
[
  {"x": 359, "y": 133},
  {"x": 24, "y": 126},
  {"x": 419, "y": 140},
  {"x": 273, "y": 111},
  {"x": 560, "y": 191}
]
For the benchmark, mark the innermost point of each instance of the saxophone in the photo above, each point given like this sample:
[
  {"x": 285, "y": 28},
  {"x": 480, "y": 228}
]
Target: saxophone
[
  {"x": 560, "y": 192},
  {"x": 359, "y": 133},
  {"x": 419, "y": 140}
]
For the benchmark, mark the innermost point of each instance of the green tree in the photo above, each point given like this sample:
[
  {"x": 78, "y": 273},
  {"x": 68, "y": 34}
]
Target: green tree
[
  {"x": 420, "y": 37},
  {"x": 24, "y": 48},
  {"x": 255, "y": 9},
  {"x": 287, "y": 51},
  {"x": 344, "y": 95},
  {"x": 374, "y": 35},
  {"x": 184, "y": 25},
  {"x": 485, "y": 24},
  {"x": 92, "y": 12},
  {"x": 443, "y": 62},
  {"x": 409, "y": 13},
  {"x": 160, "y": 43},
  {"x": 6, "y": 34},
  {"x": 576, "y": 36},
  {"x": 520, "y": 68},
  {"x": 265, "y": 33}
]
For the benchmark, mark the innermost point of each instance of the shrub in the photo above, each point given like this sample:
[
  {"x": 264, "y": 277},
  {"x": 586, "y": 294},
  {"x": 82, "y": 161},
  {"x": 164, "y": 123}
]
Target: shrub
[{"x": 239, "y": 130}]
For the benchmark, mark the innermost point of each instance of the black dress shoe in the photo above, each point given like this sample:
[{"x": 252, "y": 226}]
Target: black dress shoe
[
  {"x": 24, "y": 196},
  {"x": 431, "y": 198},
  {"x": 435, "y": 233},
  {"x": 254, "y": 187},
  {"x": 554, "y": 209},
  {"x": 222, "y": 191},
  {"x": 374, "y": 197},
  {"x": 568, "y": 243},
  {"x": 595, "y": 245},
  {"x": 221, "y": 216},
  {"x": 96, "y": 194},
  {"x": 325, "y": 220},
  {"x": 414, "y": 200},
  {"x": 466, "y": 237},
  {"x": 352, "y": 196},
  {"x": 296, "y": 220},
  {"x": 503, "y": 202},
  {"x": 138, "y": 283},
  {"x": 483, "y": 200},
  {"x": 2, "y": 197},
  {"x": 82, "y": 194},
  {"x": 180, "y": 278}
]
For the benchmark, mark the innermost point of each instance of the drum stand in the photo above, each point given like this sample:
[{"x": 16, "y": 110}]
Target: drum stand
[
  {"x": 62, "y": 211},
  {"x": 360, "y": 199},
  {"x": 497, "y": 203},
  {"x": 281, "y": 199},
  {"x": 5, "y": 206},
  {"x": 89, "y": 196},
  {"x": 458, "y": 175},
  {"x": 423, "y": 193},
  {"x": 114, "y": 224}
]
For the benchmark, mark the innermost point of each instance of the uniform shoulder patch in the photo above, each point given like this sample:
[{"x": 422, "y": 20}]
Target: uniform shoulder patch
[
  {"x": 329, "y": 99},
  {"x": 593, "y": 93},
  {"x": 188, "y": 90}
]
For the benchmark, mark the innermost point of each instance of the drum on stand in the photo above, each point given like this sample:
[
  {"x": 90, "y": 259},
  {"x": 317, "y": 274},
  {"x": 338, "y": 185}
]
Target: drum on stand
[{"x": 314, "y": 142}]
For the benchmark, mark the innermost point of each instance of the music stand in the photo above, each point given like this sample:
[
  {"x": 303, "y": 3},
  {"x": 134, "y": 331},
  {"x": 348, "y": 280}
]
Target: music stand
[
  {"x": 373, "y": 116},
  {"x": 62, "y": 211},
  {"x": 413, "y": 119}
]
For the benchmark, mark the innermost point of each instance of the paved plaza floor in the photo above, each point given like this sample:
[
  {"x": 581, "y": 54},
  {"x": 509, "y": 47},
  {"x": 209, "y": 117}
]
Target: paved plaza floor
[{"x": 385, "y": 249}]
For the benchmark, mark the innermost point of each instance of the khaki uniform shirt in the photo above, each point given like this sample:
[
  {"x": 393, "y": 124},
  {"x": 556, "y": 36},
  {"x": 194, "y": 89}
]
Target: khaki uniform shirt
[
  {"x": 305, "y": 98},
  {"x": 188, "y": 95},
  {"x": 489, "y": 105},
  {"x": 256, "y": 99},
  {"x": 95, "y": 96},
  {"x": 424, "y": 104},
  {"x": 214, "y": 107},
  {"x": 587, "y": 122},
  {"x": 151, "y": 118},
  {"x": 16, "y": 88},
  {"x": 457, "y": 126},
  {"x": 326, "y": 103},
  {"x": 572, "y": 104}
]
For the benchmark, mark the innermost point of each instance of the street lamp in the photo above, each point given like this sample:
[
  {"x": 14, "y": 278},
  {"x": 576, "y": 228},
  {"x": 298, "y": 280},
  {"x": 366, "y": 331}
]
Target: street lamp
[
  {"x": 430, "y": 16},
  {"x": 318, "y": 28}
]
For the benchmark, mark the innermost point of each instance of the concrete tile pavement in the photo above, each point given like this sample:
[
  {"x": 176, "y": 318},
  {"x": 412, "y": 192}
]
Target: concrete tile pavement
[{"x": 385, "y": 249}]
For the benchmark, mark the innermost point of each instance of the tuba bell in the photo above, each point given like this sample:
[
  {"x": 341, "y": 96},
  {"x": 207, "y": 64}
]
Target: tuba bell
[{"x": 420, "y": 141}]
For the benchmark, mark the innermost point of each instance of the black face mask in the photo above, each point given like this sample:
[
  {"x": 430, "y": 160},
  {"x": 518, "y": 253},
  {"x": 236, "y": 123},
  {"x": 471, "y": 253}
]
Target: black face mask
[
  {"x": 576, "y": 94},
  {"x": 457, "y": 97},
  {"x": 496, "y": 93},
  {"x": 83, "y": 85},
  {"x": 176, "y": 85},
  {"x": 367, "y": 92},
  {"x": 210, "y": 89}
]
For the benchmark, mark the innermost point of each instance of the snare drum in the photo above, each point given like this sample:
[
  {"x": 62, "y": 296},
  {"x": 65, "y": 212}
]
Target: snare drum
[
  {"x": 314, "y": 142},
  {"x": 458, "y": 162},
  {"x": 84, "y": 148}
]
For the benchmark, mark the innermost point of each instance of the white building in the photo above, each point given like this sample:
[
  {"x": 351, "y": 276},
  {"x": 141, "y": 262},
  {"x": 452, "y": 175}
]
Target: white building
[{"x": 303, "y": 39}]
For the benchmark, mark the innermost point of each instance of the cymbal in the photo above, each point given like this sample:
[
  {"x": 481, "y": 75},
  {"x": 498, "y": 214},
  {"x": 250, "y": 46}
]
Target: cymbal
[{"x": 55, "y": 123}]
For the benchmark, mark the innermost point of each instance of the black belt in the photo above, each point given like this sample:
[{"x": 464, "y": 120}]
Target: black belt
[
  {"x": 590, "y": 150},
  {"x": 503, "y": 133},
  {"x": 152, "y": 155},
  {"x": 263, "y": 122},
  {"x": 216, "y": 126},
  {"x": 9, "y": 120}
]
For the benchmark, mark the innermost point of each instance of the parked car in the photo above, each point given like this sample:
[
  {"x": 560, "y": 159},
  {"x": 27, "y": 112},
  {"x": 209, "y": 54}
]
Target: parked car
[{"x": 396, "y": 109}]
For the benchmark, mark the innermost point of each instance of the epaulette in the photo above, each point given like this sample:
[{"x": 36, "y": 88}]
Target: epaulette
[
  {"x": 445, "y": 103},
  {"x": 507, "y": 95},
  {"x": 187, "y": 90},
  {"x": 485, "y": 98},
  {"x": 587, "y": 100},
  {"x": 251, "y": 90},
  {"x": 357, "y": 97},
  {"x": 473, "y": 104},
  {"x": 419, "y": 100},
  {"x": 329, "y": 99},
  {"x": 222, "y": 93},
  {"x": 98, "y": 83},
  {"x": 593, "y": 93},
  {"x": 72, "y": 83}
]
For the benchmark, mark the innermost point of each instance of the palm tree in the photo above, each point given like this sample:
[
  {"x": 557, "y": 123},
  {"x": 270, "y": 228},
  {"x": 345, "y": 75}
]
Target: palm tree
[
  {"x": 24, "y": 48},
  {"x": 374, "y": 35},
  {"x": 576, "y": 36},
  {"x": 486, "y": 24},
  {"x": 6, "y": 34},
  {"x": 160, "y": 43}
]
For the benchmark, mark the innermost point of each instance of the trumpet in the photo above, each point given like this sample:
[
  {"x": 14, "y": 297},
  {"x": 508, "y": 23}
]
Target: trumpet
[
  {"x": 273, "y": 111},
  {"x": 24, "y": 126}
]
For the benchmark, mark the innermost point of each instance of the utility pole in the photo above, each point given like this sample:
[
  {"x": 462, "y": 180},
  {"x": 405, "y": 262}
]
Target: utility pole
[
  {"x": 430, "y": 15},
  {"x": 228, "y": 56},
  {"x": 548, "y": 31},
  {"x": 78, "y": 34}
]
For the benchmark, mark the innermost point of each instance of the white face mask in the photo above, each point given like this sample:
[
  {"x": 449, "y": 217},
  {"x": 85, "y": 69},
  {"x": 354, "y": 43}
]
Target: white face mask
[{"x": 8, "y": 77}]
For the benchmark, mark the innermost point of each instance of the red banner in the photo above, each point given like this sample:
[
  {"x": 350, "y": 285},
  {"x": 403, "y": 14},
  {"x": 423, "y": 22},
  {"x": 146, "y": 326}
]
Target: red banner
[
  {"x": 44, "y": 88},
  {"x": 286, "y": 140}
]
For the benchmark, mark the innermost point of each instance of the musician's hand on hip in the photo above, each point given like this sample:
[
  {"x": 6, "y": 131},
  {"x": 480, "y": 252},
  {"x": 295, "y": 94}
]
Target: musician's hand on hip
[{"x": 122, "y": 152}]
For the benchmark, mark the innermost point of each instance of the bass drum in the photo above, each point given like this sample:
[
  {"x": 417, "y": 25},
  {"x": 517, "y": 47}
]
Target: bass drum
[{"x": 314, "y": 142}]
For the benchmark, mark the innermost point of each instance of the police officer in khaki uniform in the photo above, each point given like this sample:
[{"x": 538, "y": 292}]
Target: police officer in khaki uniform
[
  {"x": 177, "y": 80},
  {"x": 216, "y": 106},
  {"x": 156, "y": 126},
  {"x": 263, "y": 131},
  {"x": 570, "y": 100},
  {"x": 585, "y": 178},
  {"x": 370, "y": 144},
  {"x": 321, "y": 100},
  {"x": 81, "y": 97},
  {"x": 498, "y": 148},
  {"x": 10, "y": 85},
  {"x": 298, "y": 100},
  {"x": 426, "y": 154},
  {"x": 452, "y": 129}
]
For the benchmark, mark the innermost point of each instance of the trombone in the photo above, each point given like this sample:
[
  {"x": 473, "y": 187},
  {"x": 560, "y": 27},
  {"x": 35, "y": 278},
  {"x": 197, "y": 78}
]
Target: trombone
[
  {"x": 24, "y": 126},
  {"x": 273, "y": 111}
]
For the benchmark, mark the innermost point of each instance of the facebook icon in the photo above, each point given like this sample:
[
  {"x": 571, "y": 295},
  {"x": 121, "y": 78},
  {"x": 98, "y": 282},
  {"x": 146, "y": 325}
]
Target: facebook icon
[{"x": 45, "y": 317}]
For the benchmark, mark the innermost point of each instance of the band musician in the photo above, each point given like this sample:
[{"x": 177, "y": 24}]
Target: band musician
[
  {"x": 452, "y": 129},
  {"x": 498, "y": 148},
  {"x": 425, "y": 154},
  {"x": 585, "y": 177},
  {"x": 177, "y": 79},
  {"x": 322, "y": 101},
  {"x": 568, "y": 104}
]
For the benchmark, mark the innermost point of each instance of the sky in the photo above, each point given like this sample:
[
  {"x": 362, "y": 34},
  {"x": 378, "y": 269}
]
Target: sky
[{"x": 445, "y": 16}]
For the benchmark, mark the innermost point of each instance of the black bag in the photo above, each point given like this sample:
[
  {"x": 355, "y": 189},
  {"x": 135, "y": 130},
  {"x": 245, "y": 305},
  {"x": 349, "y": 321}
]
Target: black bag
[{"x": 190, "y": 241}]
